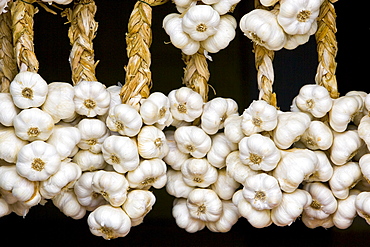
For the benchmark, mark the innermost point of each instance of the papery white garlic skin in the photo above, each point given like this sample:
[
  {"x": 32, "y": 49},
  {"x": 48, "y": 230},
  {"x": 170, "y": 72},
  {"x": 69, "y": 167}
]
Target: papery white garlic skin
[
  {"x": 225, "y": 185},
  {"x": 152, "y": 143},
  {"x": 183, "y": 218},
  {"x": 317, "y": 136},
  {"x": 33, "y": 124},
  {"x": 323, "y": 201},
  {"x": 232, "y": 128},
  {"x": 4, "y": 208},
  {"x": 344, "y": 109},
  {"x": 176, "y": 186},
  {"x": 204, "y": 204},
  {"x": 121, "y": 152},
  {"x": 312, "y": 222},
  {"x": 346, "y": 211},
  {"x": 230, "y": 215},
  {"x": 6, "y": 102},
  {"x": 364, "y": 164},
  {"x": 156, "y": 110},
  {"x": 215, "y": 112},
  {"x": 89, "y": 161},
  {"x": 220, "y": 149},
  {"x": 67, "y": 203},
  {"x": 91, "y": 98},
  {"x": 28, "y": 89},
  {"x": 175, "y": 158},
  {"x": 224, "y": 6},
  {"x": 124, "y": 119},
  {"x": 262, "y": 191},
  {"x": 93, "y": 133},
  {"x": 259, "y": 152},
  {"x": 364, "y": 130},
  {"x": 291, "y": 207},
  {"x": 257, "y": 218},
  {"x": 85, "y": 193},
  {"x": 138, "y": 203},
  {"x": 198, "y": 172},
  {"x": 344, "y": 178},
  {"x": 109, "y": 222},
  {"x": 236, "y": 169},
  {"x": 192, "y": 140},
  {"x": 259, "y": 116},
  {"x": 185, "y": 104},
  {"x": 65, "y": 140},
  {"x": 323, "y": 170},
  {"x": 10, "y": 144},
  {"x": 345, "y": 146},
  {"x": 37, "y": 161},
  {"x": 362, "y": 204}
]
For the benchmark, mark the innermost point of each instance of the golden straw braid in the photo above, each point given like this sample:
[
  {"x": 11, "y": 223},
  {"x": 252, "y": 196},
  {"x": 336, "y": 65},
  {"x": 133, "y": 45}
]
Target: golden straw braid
[
  {"x": 22, "y": 13},
  {"x": 196, "y": 73},
  {"x": 81, "y": 33},
  {"x": 8, "y": 65},
  {"x": 138, "y": 79},
  {"x": 327, "y": 49}
]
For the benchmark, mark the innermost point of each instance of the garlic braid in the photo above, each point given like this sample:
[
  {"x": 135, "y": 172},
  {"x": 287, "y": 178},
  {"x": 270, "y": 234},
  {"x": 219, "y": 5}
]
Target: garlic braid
[
  {"x": 196, "y": 73},
  {"x": 81, "y": 33},
  {"x": 327, "y": 48},
  {"x": 139, "y": 38},
  {"x": 22, "y": 13},
  {"x": 8, "y": 65}
]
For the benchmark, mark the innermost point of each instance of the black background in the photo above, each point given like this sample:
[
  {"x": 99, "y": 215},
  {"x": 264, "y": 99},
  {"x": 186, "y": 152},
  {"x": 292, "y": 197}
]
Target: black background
[{"x": 232, "y": 75}]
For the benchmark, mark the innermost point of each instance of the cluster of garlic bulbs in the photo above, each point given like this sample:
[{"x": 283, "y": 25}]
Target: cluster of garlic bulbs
[
  {"x": 287, "y": 25},
  {"x": 79, "y": 147},
  {"x": 201, "y": 25},
  {"x": 270, "y": 166}
]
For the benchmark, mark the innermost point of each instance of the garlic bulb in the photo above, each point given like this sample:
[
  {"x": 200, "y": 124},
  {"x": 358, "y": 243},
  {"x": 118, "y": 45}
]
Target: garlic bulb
[
  {"x": 344, "y": 109},
  {"x": 262, "y": 191},
  {"x": 312, "y": 223},
  {"x": 259, "y": 116},
  {"x": 268, "y": 3},
  {"x": 63, "y": 179},
  {"x": 112, "y": 186},
  {"x": 65, "y": 140},
  {"x": 295, "y": 166},
  {"x": 10, "y": 144},
  {"x": 59, "y": 102},
  {"x": 4, "y": 208},
  {"x": 109, "y": 222},
  {"x": 176, "y": 185},
  {"x": 344, "y": 178},
  {"x": 91, "y": 98},
  {"x": 156, "y": 110},
  {"x": 93, "y": 133},
  {"x": 296, "y": 17},
  {"x": 345, "y": 146},
  {"x": 185, "y": 104},
  {"x": 89, "y": 161},
  {"x": 346, "y": 211},
  {"x": 262, "y": 27},
  {"x": 230, "y": 215},
  {"x": 192, "y": 140},
  {"x": 362, "y": 205},
  {"x": 323, "y": 169},
  {"x": 225, "y": 185},
  {"x": 220, "y": 149},
  {"x": 232, "y": 128},
  {"x": 28, "y": 89},
  {"x": 204, "y": 204},
  {"x": 175, "y": 158},
  {"x": 224, "y": 6},
  {"x": 323, "y": 201},
  {"x": 149, "y": 173},
  {"x": 198, "y": 172},
  {"x": 121, "y": 152},
  {"x": 236, "y": 169},
  {"x": 363, "y": 130},
  {"x": 215, "y": 112},
  {"x": 138, "y": 203},
  {"x": 299, "y": 39},
  {"x": 68, "y": 204},
  {"x": 6, "y": 102},
  {"x": 85, "y": 193},
  {"x": 259, "y": 152},
  {"x": 291, "y": 207},
  {"x": 124, "y": 119},
  {"x": 37, "y": 161},
  {"x": 4, "y": 6},
  {"x": 289, "y": 129},
  {"x": 181, "y": 213},
  {"x": 364, "y": 164},
  {"x": 152, "y": 143},
  {"x": 33, "y": 124},
  {"x": 257, "y": 218},
  {"x": 317, "y": 136},
  {"x": 314, "y": 99}
]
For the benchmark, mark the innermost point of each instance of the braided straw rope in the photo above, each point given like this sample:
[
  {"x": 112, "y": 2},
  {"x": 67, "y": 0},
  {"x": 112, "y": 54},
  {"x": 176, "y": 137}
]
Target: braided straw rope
[
  {"x": 22, "y": 26},
  {"x": 196, "y": 73},
  {"x": 81, "y": 33},
  {"x": 327, "y": 48},
  {"x": 8, "y": 65},
  {"x": 138, "y": 79}
]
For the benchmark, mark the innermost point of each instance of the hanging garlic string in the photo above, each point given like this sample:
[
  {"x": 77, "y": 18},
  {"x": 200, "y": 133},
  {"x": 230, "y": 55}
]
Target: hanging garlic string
[
  {"x": 327, "y": 48},
  {"x": 81, "y": 33},
  {"x": 22, "y": 13},
  {"x": 196, "y": 73},
  {"x": 8, "y": 65},
  {"x": 139, "y": 38}
]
